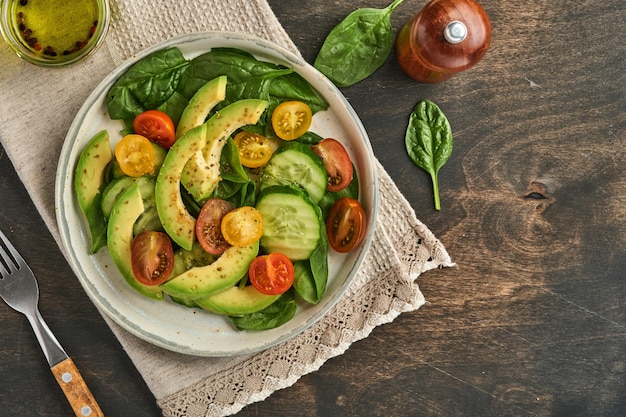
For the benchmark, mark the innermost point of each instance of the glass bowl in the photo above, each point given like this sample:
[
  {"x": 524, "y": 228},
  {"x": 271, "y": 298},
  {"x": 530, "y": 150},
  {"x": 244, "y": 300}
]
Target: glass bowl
[{"x": 54, "y": 32}]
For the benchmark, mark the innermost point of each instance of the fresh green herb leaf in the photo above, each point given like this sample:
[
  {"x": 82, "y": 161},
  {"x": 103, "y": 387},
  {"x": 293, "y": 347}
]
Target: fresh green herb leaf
[
  {"x": 357, "y": 46},
  {"x": 310, "y": 138},
  {"x": 428, "y": 141},
  {"x": 97, "y": 224},
  {"x": 311, "y": 275},
  {"x": 249, "y": 78},
  {"x": 235, "y": 186},
  {"x": 294, "y": 87},
  {"x": 275, "y": 315},
  {"x": 149, "y": 84},
  {"x": 304, "y": 283},
  {"x": 318, "y": 263}
]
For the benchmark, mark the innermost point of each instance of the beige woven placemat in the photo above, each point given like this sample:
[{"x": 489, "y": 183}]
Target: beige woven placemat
[{"x": 38, "y": 106}]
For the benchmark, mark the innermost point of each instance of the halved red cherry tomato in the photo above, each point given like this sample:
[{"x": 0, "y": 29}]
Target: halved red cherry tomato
[
  {"x": 152, "y": 257},
  {"x": 135, "y": 155},
  {"x": 291, "y": 119},
  {"x": 345, "y": 225},
  {"x": 337, "y": 163},
  {"x": 242, "y": 226},
  {"x": 208, "y": 225},
  {"x": 271, "y": 274},
  {"x": 254, "y": 149},
  {"x": 156, "y": 126}
]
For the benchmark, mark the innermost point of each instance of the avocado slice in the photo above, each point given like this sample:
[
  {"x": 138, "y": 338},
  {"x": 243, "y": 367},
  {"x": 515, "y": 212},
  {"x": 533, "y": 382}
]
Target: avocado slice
[
  {"x": 159, "y": 156},
  {"x": 237, "y": 301},
  {"x": 126, "y": 210},
  {"x": 92, "y": 164},
  {"x": 202, "y": 172},
  {"x": 202, "y": 281},
  {"x": 176, "y": 220},
  {"x": 201, "y": 104}
]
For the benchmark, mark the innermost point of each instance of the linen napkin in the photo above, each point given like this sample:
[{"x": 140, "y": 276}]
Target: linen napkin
[{"x": 38, "y": 106}]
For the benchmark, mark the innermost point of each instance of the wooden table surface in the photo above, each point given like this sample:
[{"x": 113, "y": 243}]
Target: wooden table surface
[{"x": 533, "y": 320}]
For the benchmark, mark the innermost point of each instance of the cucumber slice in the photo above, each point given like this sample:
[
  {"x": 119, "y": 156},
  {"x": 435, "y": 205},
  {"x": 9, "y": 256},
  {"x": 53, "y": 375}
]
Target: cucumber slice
[
  {"x": 296, "y": 163},
  {"x": 291, "y": 222}
]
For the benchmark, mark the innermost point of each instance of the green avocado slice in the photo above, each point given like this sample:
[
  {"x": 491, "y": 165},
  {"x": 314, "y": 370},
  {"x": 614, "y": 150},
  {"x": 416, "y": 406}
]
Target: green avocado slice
[
  {"x": 201, "y": 104},
  {"x": 126, "y": 210},
  {"x": 237, "y": 301},
  {"x": 202, "y": 172},
  {"x": 90, "y": 169},
  {"x": 177, "y": 221},
  {"x": 203, "y": 281}
]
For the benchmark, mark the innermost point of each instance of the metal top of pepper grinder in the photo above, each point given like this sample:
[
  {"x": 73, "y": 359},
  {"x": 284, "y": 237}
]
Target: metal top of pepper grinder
[
  {"x": 455, "y": 32},
  {"x": 444, "y": 38}
]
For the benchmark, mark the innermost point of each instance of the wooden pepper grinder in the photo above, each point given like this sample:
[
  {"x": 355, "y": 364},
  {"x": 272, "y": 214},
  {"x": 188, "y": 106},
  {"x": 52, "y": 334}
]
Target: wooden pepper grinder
[{"x": 444, "y": 38}]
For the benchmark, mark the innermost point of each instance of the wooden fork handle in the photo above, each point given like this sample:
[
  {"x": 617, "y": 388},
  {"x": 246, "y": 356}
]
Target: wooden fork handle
[{"x": 75, "y": 389}]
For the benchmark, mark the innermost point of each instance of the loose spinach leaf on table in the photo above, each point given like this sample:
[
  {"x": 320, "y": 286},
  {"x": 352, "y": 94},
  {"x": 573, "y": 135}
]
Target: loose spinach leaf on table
[
  {"x": 428, "y": 141},
  {"x": 357, "y": 46},
  {"x": 150, "y": 83}
]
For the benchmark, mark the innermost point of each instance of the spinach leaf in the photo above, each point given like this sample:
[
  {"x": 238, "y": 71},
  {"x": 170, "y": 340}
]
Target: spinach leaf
[
  {"x": 310, "y": 138},
  {"x": 357, "y": 46},
  {"x": 294, "y": 87},
  {"x": 304, "y": 283},
  {"x": 428, "y": 141},
  {"x": 235, "y": 186},
  {"x": 277, "y": 314},
  {"x": 231, "y": 168},
  {"x": 249, "y": 77},
  {"x": 311, "y": 275},
  {"x": 97, "y": 224},
  {"x": 149, "y": 84}
]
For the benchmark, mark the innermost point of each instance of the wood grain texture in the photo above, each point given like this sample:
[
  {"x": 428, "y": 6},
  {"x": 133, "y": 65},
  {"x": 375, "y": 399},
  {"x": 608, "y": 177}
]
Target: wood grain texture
[
  {"x": 75, "y": 389},
  {"x": 533, "y": 320}
]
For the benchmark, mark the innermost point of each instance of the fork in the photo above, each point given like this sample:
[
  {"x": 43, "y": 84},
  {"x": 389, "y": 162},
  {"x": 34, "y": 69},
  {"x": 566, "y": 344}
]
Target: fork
[{"x": 19, "y": 289}]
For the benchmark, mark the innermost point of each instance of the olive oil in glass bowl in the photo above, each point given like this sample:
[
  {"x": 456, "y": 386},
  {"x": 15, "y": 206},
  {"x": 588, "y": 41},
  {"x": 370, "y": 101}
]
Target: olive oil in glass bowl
[{"x": 54, "y": 32}]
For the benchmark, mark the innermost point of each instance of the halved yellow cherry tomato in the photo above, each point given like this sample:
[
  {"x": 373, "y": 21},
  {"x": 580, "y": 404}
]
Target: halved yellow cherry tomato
[
  {"x": 242, "y": 226},
  {"x": 135, "y": 155},
  {"x": 291, "y": 119},
  {"x": 254, "y": 149}
]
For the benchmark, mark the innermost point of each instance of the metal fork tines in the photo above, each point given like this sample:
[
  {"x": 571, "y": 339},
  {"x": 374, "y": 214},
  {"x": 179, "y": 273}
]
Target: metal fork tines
[{"x": 19, "y": 289}]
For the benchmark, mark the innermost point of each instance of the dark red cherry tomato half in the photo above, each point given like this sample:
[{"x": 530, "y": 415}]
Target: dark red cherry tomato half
[
  {"x": 152, "y": 257},
  {"x": 271, "y": 274},
  {"x": 345, "y": 225},
  {"x": 208, "y": 225},
  {"x": 337, "y": 163},
  {"x": 157, "y": 126}
]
